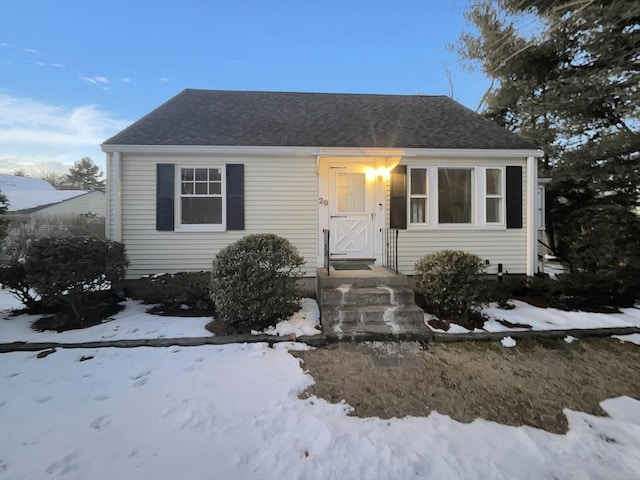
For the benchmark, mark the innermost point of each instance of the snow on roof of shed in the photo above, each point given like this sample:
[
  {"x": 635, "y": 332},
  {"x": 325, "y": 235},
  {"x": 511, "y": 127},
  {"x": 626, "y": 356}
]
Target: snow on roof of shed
[{"x": 25, "y": 193}]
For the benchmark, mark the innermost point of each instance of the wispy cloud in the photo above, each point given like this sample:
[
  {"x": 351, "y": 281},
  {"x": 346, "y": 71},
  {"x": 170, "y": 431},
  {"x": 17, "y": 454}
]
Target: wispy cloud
[
  {"x": 164, "y": 79},
  {"x": 125, "y": 80},
  {"x": 31, "y": 50},
  {"x": 34, "y": 132},
  {"x": 40, "y": 64},
  {"x": 57, "y": 65},
  {"x": 5, "y": 44},
  {"x": 94, "y": 80}
]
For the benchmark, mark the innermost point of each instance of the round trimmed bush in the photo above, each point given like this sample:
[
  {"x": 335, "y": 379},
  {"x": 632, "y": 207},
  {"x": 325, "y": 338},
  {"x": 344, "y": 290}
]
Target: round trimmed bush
[
  {"x": 253, "y": 281},
  {"x": 452, "y": 282}
]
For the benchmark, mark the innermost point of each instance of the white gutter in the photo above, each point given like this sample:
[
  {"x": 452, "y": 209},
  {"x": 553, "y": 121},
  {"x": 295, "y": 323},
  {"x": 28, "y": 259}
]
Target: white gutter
[
  {"x": 532, "y": 186},
  {"x": 325, "y": 151}
]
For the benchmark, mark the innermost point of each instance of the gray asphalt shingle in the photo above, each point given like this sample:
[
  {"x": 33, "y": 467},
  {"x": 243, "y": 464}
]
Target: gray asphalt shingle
[{"x": 218, "y": 117}]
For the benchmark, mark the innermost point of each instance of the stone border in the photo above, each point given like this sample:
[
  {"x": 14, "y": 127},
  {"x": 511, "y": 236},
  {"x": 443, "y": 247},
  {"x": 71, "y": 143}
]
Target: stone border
[
  {"x": 323, "y": 339},
  {"x": 314, "y": 341},
  {"x": 532, "y": 334}
]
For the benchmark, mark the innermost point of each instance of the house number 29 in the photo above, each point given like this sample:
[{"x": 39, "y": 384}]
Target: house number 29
[{"x": 323, "y": 201}]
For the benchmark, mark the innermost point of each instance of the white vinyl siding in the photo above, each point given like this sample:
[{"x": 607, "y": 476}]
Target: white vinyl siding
[
  {"x": 280, "y": 197},
  {"x": 497, "y": 245}
]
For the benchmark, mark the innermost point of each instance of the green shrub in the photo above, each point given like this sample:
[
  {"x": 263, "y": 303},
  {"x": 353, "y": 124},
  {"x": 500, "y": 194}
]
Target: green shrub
[
  {"x": 602, "y": 254},
  {"x": 14, "y": 278},
  {"x": 80, "y": 273},
  {"x": 452, "y": 282},
  {"x": 253, "y": 281},
  {"x": 174, "y": 290}
]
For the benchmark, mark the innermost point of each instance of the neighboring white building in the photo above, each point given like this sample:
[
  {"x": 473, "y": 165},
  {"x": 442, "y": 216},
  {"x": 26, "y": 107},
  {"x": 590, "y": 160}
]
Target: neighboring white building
[
  {"x": 34, "y": 196},
  {"x": 209, "y": 167}
]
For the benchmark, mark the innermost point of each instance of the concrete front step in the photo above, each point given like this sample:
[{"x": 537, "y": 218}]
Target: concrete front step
[
  {"x": 371, "y": 315},
  {"x": 380, "y": 295},
  {"x": 369, "y": 281}
]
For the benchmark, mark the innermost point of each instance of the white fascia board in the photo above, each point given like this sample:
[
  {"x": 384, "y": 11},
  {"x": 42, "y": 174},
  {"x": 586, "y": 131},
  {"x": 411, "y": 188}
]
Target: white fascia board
[
  {"x": 209, "y": 149},
  {"x": 472, "y": 153},
  {"x": 324, "y": 151}
]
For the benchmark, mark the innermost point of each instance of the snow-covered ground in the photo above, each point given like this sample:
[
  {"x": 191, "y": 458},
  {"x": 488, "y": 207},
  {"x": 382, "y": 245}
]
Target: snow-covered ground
[
  {"x": 548, "y": 319},
  {"x": 133, "y": 323},
  {"x": 233, "y": 412}
]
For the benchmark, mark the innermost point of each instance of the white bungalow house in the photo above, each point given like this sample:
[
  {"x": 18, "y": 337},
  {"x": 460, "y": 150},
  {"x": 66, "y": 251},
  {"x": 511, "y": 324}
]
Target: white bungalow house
[{"x": 209, "y": 167}]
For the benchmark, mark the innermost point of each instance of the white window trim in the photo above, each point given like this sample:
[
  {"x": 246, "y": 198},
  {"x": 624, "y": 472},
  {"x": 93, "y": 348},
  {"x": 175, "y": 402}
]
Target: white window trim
[
  {"x": 426, "y": 196},
  {"x": 503, "y": 186},
  {"x": 474, "y": 197},
  {"x": 202, "y": 227},
  {"x": 478, "y": 198}
]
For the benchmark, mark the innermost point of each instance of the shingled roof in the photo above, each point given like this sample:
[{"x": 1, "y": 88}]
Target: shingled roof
[{"x": 217, "y": 117}]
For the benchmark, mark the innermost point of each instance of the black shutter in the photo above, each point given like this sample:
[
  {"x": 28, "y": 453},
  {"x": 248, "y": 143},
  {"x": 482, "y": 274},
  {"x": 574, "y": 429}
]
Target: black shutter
[
  {"x": 235, "y": 197},
  {"x": 165, "y": 196},
  {"x": 514, "y": 197},
  {"x": 398, "y": 200}
]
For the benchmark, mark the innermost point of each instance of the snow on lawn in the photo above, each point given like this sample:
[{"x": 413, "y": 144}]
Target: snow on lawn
[
  {"x": 549, "y": 319},
  {"x": 554, "y": 319},
  {"x": 304, "y": 322},
  {"x": 633, "y": 338},
  {"x": 134, "y": 323},
  {"x": 233, "y": 412}
]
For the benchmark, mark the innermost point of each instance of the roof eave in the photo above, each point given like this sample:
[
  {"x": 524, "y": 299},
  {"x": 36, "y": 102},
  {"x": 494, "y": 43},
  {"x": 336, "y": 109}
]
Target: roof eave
[{"x": 318, "y": 150}]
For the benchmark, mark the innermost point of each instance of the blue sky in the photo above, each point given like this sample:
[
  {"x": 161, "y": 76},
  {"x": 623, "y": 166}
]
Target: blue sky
[{"x": 73, "y": 73}]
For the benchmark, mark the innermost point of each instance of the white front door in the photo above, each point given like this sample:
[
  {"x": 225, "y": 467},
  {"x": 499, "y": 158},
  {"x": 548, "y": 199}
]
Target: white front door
[{"x": 352, "y": 212}]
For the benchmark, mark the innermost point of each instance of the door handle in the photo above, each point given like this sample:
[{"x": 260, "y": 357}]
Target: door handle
[
  {"x": 372, "y": 215},
  {"x": 338, "y": 216}
]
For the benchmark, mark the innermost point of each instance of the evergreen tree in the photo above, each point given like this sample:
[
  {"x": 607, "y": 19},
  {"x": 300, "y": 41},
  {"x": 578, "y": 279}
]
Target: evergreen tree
[
  {"x": 565, "y": 76},
  {"x": 4, "y": 208},
  {"x": 84, "y": 175}
]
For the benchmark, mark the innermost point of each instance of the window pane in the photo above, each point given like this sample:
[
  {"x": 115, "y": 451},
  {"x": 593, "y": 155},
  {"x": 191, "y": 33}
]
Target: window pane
[
  {"x": 418, "y": 181},
  {"x": 215, "y": 188},
  {"x": 202, "y": 210},
  {"x": 187, "y": 188},
  {"x": 351, "y": 192},
  {"x": 187, "y": 173},
  {"x": 494, "y": 210},
  {"x": 201, "y": 188},
  {"x": 214, "y": 174},
  {"x": 494, "y": 184},
  {"x": 201, "y": 174},
  {"x": 418, "y": 211},
  {"x": 454, "y": 195}
]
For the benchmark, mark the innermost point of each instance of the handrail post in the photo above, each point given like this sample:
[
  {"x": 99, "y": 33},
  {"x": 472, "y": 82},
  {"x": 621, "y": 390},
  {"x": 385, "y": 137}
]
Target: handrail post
[{"x": 326, "y": 235}]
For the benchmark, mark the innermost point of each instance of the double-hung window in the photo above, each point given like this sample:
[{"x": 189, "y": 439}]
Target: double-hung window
[
  {"x": 418, "y": 200},
  {"x": 494, "y": 196},
  {"x": 455, "y": 195},
  {"x": 201, "y": 202}
]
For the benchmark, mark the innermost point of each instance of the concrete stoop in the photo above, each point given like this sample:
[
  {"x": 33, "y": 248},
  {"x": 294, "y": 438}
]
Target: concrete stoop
[{"x": 376, "y": 304}]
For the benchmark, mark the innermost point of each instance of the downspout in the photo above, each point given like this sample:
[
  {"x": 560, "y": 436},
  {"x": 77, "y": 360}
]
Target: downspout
[
  {"x": 532, "y": 185},
  {"x": 117, "y": 197}
]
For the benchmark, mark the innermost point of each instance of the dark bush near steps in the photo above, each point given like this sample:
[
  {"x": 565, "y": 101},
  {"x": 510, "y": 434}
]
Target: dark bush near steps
[
  {"x": 253, "y": 281},
  {"x": 174, "y": 291},
  {"x": 452, "y": 283}
]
